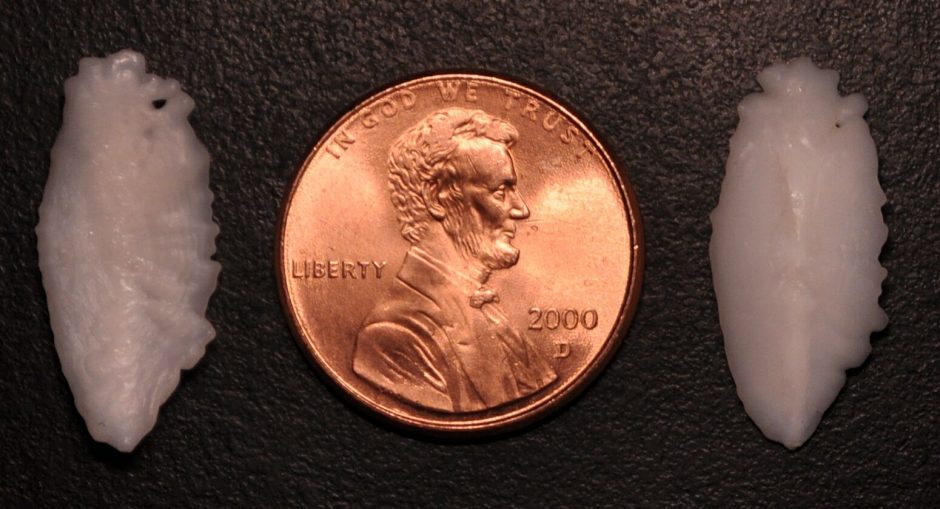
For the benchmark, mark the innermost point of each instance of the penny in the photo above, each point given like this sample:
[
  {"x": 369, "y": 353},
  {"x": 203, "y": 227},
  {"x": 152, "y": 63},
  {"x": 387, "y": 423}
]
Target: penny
[{"x": 459, "y": 253}]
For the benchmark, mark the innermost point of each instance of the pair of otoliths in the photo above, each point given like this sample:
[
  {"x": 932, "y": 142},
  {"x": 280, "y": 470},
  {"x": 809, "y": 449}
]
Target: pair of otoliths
[{"x": 794, "y": 251}]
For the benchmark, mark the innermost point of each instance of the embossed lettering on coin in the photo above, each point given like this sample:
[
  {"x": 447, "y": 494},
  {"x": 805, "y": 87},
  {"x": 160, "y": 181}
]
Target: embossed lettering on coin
[{"x": 459, "y": 253}]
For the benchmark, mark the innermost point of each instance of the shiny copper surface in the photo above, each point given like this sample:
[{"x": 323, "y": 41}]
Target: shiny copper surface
[{"x": 460, "y": 254}]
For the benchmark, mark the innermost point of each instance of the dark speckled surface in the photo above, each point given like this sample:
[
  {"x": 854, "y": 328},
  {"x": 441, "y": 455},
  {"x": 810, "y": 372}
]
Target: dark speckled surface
[{"x": 253, "y": 425}]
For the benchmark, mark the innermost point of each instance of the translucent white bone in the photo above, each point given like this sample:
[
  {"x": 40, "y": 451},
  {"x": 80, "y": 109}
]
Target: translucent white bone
[
  {"x": 125, "y": 239},
  {"x": 794, "y": 251}
]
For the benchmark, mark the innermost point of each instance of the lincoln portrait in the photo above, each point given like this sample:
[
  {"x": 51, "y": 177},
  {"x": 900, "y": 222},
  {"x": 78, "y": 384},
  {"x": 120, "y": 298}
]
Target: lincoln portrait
[{"x": 438, "y": 338}]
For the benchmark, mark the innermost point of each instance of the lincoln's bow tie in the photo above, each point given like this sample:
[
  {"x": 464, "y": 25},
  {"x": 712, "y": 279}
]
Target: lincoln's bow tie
[{"x": 483, "y": 295}]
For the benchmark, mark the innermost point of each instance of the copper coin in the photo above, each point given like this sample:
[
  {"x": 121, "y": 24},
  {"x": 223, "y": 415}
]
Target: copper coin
[{"x": 459, "y": 253}]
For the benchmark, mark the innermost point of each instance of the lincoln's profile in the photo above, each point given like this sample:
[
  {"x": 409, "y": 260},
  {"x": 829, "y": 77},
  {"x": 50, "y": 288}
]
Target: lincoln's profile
[{"x": 438, "y": 339}]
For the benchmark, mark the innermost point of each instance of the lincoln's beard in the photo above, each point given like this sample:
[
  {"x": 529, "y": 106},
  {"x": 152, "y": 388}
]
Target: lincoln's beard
[{"x": 474, "y": 242}]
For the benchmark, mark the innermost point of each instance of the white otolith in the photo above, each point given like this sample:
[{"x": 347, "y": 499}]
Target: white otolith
[
  {"x": 795, "y": 244},
  {"x": 125, "y": 239}
]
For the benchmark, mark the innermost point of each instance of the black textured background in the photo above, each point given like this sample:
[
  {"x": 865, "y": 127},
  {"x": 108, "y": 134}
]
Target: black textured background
[{"x": 253, "y": 425}]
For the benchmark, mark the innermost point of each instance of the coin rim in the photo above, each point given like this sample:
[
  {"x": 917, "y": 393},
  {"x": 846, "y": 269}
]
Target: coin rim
[{"x": 522, "y": 416}]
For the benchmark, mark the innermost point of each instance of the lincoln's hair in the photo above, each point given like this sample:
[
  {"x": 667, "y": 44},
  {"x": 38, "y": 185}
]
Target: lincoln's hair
[{"x": 421, "y": 162}]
